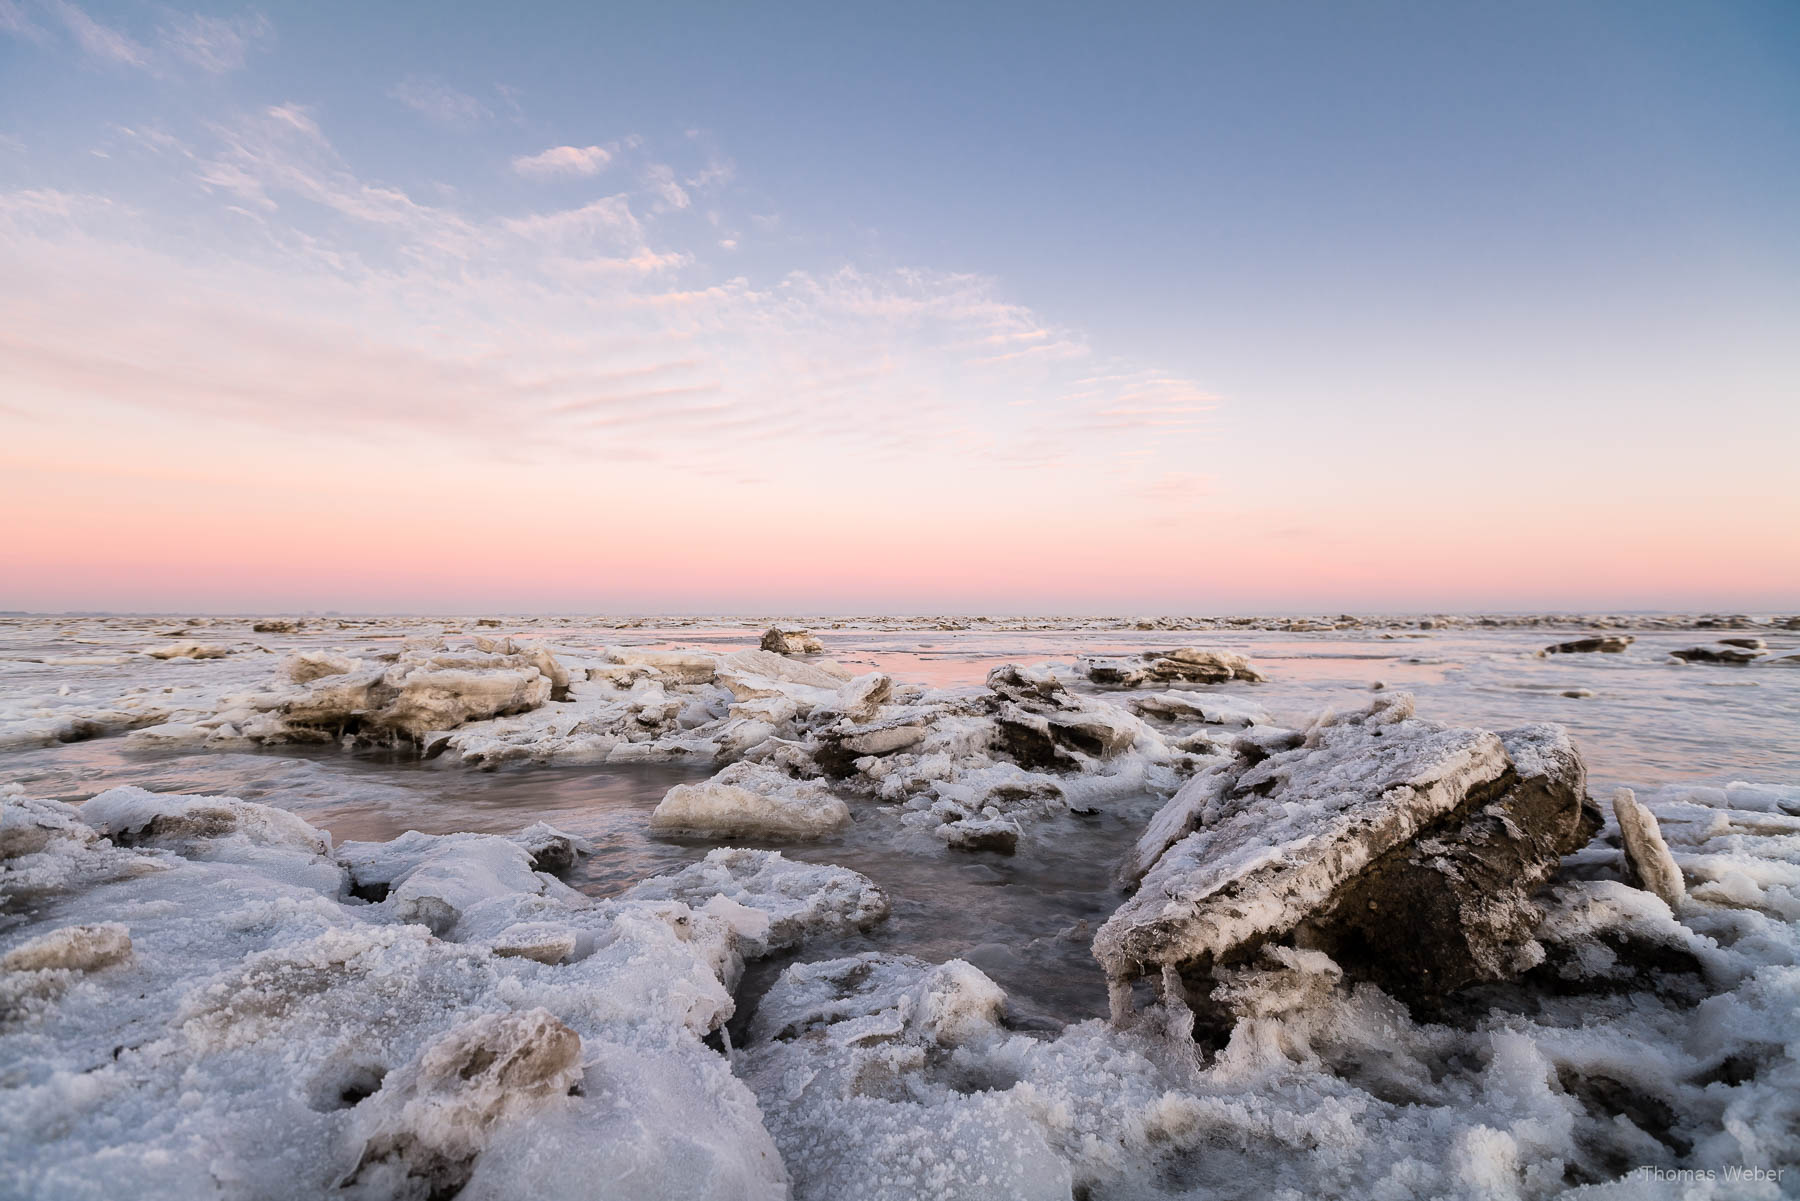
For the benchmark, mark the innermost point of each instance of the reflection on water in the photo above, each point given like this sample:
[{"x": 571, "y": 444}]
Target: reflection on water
[{"x": 1027, "y": 920}]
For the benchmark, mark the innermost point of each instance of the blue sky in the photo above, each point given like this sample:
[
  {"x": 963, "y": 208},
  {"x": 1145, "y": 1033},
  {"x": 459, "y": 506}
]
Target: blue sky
[{"x": 1234, "y": 274}]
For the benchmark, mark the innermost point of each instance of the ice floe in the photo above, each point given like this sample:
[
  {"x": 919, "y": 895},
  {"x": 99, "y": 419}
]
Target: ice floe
[
  {"x": 216, "y": 1009},
  {"x": 207, "y": 996}
]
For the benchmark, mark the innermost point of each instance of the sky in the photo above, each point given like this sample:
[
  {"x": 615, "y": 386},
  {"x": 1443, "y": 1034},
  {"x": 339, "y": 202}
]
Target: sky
[{"x": 1021, "y": 308}]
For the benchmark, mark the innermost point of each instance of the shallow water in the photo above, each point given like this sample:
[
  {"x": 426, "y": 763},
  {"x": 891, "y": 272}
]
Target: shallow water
[{"x": 1025, "y": 920}]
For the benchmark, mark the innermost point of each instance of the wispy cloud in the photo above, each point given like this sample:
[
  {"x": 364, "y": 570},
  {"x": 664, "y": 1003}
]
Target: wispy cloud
[
  {"x": 328, "y": 300},
  {"x": 98, "y": 40},
  {"x": 182, "y": 41},
  {"x": 608, "y": 220},
  {"x": 439, "y": 101},
  {"x": 15, "y": 23},
  {"x": 564, "y": 160},
  {"x": 659, "y": 178},
  {"x": 215, "y": 45}
]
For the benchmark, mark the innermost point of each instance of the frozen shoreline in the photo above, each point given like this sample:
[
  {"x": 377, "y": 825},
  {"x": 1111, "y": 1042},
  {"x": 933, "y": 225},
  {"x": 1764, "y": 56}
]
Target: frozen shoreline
[{"x": 853, "y": 1073}]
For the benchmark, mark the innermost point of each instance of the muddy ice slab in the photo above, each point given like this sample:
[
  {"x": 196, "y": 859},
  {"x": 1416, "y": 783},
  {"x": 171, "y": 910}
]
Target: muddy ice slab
[
  {"x": 791, "y": 642},
  {"x": 1186, "y": 665},
  {"x": 1607, "y": 644},
  {"x": 1404, "y": 849},
  {"x": 1732, "y": 652}
]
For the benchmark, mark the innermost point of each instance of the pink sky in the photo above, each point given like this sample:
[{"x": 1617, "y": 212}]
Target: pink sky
[{"x": 222, "y": 406}]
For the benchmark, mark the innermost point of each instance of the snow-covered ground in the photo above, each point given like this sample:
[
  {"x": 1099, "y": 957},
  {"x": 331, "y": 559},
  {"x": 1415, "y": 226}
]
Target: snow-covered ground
[{"x": 226, "y": 967}]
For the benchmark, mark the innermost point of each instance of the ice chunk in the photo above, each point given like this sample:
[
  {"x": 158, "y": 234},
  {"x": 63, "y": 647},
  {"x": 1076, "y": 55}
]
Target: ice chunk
[
  {"x": 550, "y": 849},
  {"x": 189, "y": 650},
  {"x": 752, "y": 799},
  {"x": 1187, "y": 665},
  {"x": 71, "y": 949},
  {"x": 28, "y": 825},
  {"x": 801, "y": 900},
  {"x": 544, "y": 942},
  {"x": 1213, "y": 708},
  {"x": 948, "y": 1004},
  {"x": 1648, "y": 863},
  {"x": 1609, "y": 644},
  {"x": 997, "y": 834},
  {"x": 1718, "y": 653},
  {"x": 791, "y": 642},
  {"x": 303, "y": 667},
  {"x": 195, "y": 825},
  {"x": 1406, "y": 849},
  {"x": 422, "y": 1131},
  {"x": 681, "y": 667},
  {"x": 841, "y": 1056},
  {"x": 863, "y": 697},
  {"x": 434, "y": 879}
]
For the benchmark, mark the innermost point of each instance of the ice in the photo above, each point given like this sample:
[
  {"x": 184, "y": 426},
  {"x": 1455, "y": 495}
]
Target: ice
[
  {"x": 29, "y": 825},
  {"x": 861, "y": 699},
  {"x": 1610, "y": 644},
  {"x": 212, "y": 827},
  {"x": 988, "y": 832},
  {"x": 266, "y": 1036},
  {"x": 800, "y": 900},
  {"x": 243, "y": 1044},
  {"x": 837, "y": 1059},
  {"x": 1647, "y": 859},
  {"x": 1315, "y": 836},
  {"x": 71, "y": 949},
  {"x": 303, "y": 667},
  {"x": 1212, "y": 708},
  {"x": 189, "y": 650},
  {"x": 752, "y": 799},
  {"x": 1319, "y": 1089},
  {"x": 422, "y": 1130},
  {"x": 1729, "y": 653},
  {"x": 435, "y": 879},
  {"x": 791, "y": 642},
  {"x": 552, "y": 850},
  {"x": 1185, "y": 664}
]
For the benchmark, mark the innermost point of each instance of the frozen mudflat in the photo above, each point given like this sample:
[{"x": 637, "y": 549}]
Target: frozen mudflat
[{"x": 900, "y": 908}]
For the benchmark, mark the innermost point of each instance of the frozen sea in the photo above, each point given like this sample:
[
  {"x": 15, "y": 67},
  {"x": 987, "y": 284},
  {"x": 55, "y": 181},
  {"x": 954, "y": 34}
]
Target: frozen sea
[{"x": 1641, "y": 718}]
